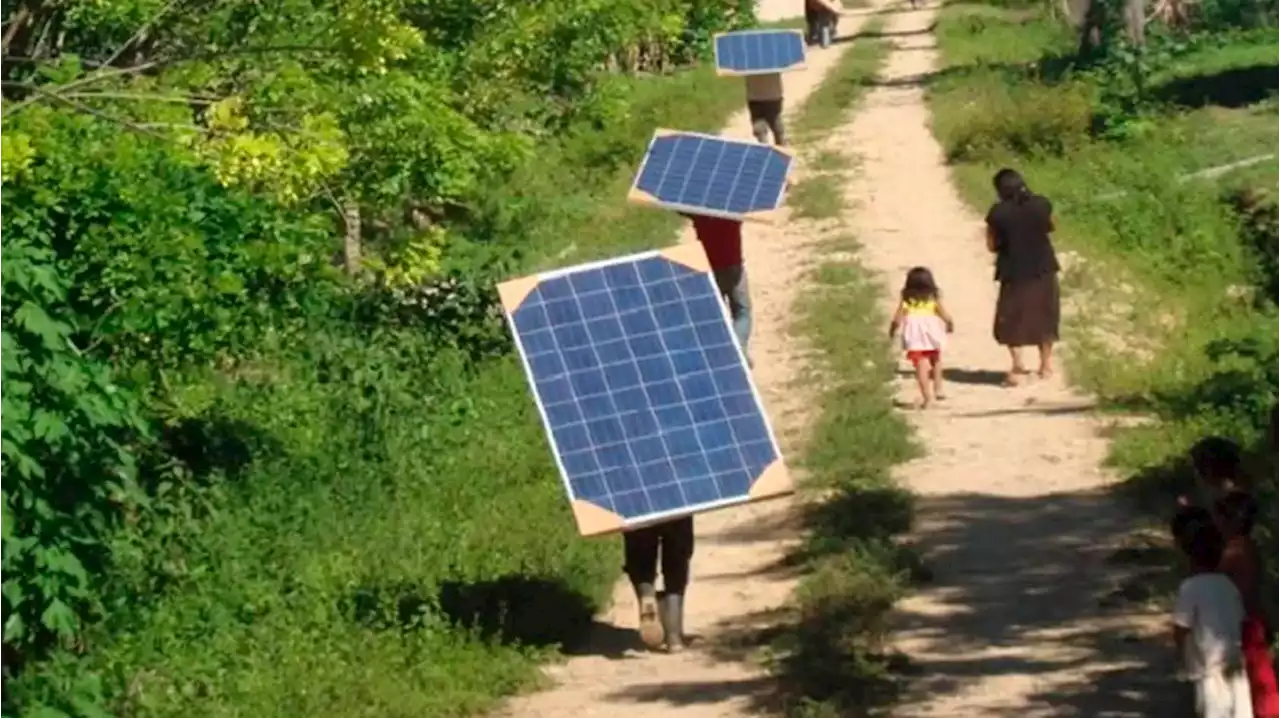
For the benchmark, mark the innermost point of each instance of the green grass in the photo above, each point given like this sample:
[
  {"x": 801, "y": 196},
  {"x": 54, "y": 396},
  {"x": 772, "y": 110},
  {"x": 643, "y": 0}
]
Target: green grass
[
  {"x": 423, "y": 568},
  {"x": 1175, "y": 315},
  {"x": 826, "y": 106},
  {"x": 831, "y": 658},
  {"x": 819, "y": 196}
]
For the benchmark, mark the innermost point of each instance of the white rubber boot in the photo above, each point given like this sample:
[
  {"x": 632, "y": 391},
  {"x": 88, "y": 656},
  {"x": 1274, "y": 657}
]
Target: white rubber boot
[{"x": 673, "y": 621}]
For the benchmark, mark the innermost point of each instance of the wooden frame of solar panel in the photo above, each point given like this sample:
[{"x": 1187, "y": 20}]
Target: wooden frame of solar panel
[
  {"x": 730, "y": 72},
  {"x": 636, "y": 195},
  {"x": 592, "y": 519}
]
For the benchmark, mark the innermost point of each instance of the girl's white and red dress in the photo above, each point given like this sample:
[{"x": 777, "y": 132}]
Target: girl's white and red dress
[{"x": 924, "y": 333}]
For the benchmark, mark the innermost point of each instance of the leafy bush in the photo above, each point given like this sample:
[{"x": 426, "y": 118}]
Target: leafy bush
[
  {"x": 65, "y": 417},
  {"x": 1260, "y": 226},
  {"x": 238, "y": 480}
]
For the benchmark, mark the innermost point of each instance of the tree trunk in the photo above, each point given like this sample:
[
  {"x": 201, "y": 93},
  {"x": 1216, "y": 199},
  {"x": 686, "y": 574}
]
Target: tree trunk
[
  {"x": 1135, "y": 21},
  {"x": 1090, "y": 14},
  {"x": 1076, "y": 11},
  {"x": 351, "y": 237}
]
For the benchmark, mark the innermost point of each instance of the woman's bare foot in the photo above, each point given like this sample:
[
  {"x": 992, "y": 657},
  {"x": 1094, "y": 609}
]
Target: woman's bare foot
[
  {"x": 1011, "y": 379},
  {"x": 1045, "y": 372}
]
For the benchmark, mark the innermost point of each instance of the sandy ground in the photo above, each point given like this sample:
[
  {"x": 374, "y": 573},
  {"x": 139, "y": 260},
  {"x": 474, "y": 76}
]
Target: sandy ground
[
  {"x": 775, "y": 10},
  {"x": 1012, "y": 516}
]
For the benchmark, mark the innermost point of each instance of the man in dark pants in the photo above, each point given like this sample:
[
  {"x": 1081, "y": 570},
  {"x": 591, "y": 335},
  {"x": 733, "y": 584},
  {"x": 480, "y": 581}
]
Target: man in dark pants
[
  {"x": 674, "y": 540},
  {"x": 764, "y": 105}
]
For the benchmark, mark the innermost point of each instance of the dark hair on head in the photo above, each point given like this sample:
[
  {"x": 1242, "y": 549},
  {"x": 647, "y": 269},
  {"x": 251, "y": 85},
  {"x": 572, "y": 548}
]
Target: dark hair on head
[
  {"x": 1204, "y": 545},
  {"x": 1239, "y": 508},
  {"x": 919, "y": 285},
  {"x": 1010, "y": 187},
  {"x": 1216, "y": 457},
  {"x": 1187, "y": 518}
]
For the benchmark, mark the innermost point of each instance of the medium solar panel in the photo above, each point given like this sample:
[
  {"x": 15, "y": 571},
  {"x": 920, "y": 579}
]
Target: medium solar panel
[
  {"x": 704, "y": 174},
  {"x": 755, "y": 52},
  {"x": 647, "y": 401}
]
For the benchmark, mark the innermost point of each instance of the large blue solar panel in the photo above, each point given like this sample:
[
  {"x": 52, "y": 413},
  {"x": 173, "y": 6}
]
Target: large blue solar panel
[
  {"x": 702, "y": 174},
  {"x": 647, "y": 401},
  {"x": 754, "y": 52}
]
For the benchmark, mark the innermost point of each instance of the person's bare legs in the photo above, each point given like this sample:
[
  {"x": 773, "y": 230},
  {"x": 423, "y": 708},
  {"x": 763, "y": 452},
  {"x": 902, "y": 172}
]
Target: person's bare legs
[
  {"x": 935, "y": 373},
  {"x": 923, "y": 381},
  {"x": 1016, "y": 367},
  {"x": 1046, "y": 360}
]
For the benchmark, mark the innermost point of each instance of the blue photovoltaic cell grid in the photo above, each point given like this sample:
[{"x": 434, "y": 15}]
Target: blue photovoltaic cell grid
[
  {"x": 759, "y": 52},
  {"x": 726, "y": 177},
  {"x": 644, "y": 392}
]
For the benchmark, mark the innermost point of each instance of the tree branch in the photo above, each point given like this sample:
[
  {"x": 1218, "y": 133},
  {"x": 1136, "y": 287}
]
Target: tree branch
[{"x": 141, "y": 32}]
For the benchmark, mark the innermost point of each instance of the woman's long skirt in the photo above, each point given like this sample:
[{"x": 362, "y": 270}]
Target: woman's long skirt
[{"x": 1027, "y": 312}]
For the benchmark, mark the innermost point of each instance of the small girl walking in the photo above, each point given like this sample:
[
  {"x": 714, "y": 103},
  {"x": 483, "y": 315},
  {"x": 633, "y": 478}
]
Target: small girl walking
[{"x": 924, "y": 325}]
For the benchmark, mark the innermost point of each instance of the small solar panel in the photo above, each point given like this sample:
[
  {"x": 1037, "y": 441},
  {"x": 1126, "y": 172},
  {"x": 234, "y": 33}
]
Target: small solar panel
[
  {"x": 704, "y": 174},
  {"x": 647, "y": 401},
  {"x": 757, "y": 52}
]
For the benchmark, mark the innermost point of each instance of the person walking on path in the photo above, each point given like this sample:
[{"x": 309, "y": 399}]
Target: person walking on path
[
  {"x": 661, "y": 617},
  {"x": 924, "y": 325},
  {"x": 1027, "y": 310},
  {"x": 722, "y": 241},
  {"x": 764, "y": 105}
]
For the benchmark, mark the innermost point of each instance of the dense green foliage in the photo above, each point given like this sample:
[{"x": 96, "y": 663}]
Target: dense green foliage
[
  {"x": 1172, "y": 268},
  {"x": 238, "y": 479}
]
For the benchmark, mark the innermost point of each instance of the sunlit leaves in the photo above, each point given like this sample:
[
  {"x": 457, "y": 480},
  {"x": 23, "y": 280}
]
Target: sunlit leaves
[
  {"x": 289, "y": 164},
  {"x": 15, "y": 155}
]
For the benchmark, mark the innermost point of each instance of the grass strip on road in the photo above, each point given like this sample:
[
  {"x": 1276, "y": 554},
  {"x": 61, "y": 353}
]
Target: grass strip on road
[{"x": 831, "y": 657}]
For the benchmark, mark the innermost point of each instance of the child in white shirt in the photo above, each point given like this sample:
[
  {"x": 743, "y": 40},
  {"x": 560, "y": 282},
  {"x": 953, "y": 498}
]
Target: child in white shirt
[{"x": 1207, "y": 621}]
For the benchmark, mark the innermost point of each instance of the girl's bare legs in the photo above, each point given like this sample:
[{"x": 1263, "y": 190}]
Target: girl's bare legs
[
  {"x": 922, "y": 380},
  {"x": 936, "y": 375},
  {"x": 1046, "y": 360}
]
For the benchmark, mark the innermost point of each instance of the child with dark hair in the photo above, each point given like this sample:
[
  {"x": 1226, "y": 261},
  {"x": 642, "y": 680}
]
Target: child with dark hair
[
  {"x": 924, "y": 324},
  {"x": 1218, "y": 465},
  {"x": 1185, "y": 521},
  {"x": 1206, "y": 628},
  {"x": 1234, "y": 515}
]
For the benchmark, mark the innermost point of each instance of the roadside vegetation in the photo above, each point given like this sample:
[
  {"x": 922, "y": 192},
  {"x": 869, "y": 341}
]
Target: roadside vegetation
[
  {"x": 832, "y": 657},
  {"x": 1161, "y": 163},
  {"x": 266, "y": 450}
]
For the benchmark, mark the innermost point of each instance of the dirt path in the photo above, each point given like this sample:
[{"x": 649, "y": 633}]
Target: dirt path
[
  {"x": 1012, "y": 514},
  {"x": 609, "y": 678}
]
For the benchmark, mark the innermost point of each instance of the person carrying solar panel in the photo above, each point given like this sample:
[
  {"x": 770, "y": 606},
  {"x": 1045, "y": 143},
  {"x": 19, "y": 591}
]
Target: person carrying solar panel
[
  {"x": 764, "y": 105},
  {"x": 661, "y": 616},
  {"x": 722, "y": 241}
]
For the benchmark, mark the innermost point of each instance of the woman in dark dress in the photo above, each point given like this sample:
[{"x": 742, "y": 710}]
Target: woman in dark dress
[{"x": 1027, "y": 312}]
